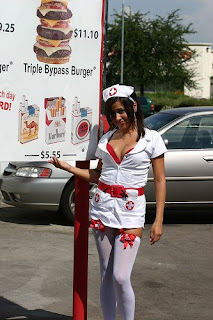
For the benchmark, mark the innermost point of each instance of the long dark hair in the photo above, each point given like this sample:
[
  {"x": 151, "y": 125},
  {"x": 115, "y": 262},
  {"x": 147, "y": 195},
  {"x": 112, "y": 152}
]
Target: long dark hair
[{"x": 128, "y": 105}]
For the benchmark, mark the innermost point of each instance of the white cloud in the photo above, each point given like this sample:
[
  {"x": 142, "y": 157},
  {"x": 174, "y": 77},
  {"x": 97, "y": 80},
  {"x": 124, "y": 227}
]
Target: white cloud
[
  {"x": 197, "y": 12},
  {"x": 201, "y": 17}
]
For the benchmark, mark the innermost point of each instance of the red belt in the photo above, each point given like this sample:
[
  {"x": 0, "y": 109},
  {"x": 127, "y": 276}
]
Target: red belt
[{"x": 118, "y": 191}]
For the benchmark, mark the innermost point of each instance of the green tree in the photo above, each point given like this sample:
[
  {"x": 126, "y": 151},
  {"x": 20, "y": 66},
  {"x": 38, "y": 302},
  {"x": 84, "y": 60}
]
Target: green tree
[{"x": 155, "y": 51}]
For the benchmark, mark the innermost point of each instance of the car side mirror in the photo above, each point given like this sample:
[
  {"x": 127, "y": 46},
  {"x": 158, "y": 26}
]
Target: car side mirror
[{"x": 166, "y": 141}]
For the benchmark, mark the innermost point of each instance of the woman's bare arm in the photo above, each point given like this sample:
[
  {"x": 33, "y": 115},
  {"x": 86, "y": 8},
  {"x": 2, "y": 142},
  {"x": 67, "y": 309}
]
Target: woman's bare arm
[
  {"x": 160, "y": 195},
  {"x": 91, "y": 175}
]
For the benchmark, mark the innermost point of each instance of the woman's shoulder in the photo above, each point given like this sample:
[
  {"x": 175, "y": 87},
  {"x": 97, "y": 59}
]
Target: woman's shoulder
[
  {"x": 152, "y": 136},
  {"x": 156, "y": 142},
  {"x": 107, "y": 135},
  {"x": 151, "y": 133}
]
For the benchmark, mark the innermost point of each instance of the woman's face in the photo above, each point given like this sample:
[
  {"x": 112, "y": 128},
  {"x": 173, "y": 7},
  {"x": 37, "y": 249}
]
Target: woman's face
[{"x": 119, "y": 116}]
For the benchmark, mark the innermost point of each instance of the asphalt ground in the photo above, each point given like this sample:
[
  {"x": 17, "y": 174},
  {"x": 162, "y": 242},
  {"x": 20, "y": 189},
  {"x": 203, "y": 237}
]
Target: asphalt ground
[{"x": 172, "y": 280}]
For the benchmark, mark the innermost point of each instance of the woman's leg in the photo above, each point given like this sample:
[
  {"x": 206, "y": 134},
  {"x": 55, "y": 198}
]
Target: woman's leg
[
  {"x": 105, "y": 245},
  {"x": 124, "y": 258}
]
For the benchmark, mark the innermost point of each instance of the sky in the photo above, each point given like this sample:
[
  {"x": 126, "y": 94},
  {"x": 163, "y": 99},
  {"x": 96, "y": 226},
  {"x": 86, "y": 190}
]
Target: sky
[{"x": 197, "y": 12}]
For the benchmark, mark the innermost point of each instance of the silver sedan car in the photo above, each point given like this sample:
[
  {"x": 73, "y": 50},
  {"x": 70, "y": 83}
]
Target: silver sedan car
[{"x": 188, "y": 135}]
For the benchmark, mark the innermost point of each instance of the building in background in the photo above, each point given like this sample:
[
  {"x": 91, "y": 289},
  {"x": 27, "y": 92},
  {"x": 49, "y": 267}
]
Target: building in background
[{"x": 203, "y": 66}]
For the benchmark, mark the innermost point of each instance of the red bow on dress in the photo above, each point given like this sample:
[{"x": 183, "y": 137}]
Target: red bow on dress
[
  {"x": 97, "y": 224},
  {"x": 127, "y": 239}
]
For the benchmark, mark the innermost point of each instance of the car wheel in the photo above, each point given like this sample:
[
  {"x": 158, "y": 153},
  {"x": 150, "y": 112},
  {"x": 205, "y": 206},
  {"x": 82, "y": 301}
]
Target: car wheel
[{"x": 67, "y": 204}]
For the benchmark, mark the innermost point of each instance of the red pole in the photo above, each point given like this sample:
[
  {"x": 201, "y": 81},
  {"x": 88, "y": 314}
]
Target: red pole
[{"x": 80, "y": 245}]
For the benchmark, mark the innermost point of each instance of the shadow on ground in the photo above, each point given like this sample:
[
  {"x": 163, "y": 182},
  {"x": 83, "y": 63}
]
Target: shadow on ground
[
  {"x": 183, "y": 216},
  {"x": 12, "y": 311},
  {"x": 36, "y": 217},
  {"x": 31, "y": 216}
]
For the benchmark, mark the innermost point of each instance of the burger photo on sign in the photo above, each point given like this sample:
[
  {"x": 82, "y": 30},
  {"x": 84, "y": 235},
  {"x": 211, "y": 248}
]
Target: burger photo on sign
[{"x": 54, "y": 32}]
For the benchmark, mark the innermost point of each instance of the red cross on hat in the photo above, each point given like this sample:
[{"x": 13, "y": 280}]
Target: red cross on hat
[
  {"x": 118, "y": 90},
  {"x": 112, "y": 91}
]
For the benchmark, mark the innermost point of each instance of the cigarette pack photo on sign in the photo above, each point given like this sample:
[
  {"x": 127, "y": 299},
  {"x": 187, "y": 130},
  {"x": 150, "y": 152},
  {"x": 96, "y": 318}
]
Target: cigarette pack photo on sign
[
  {"x": 55, "y": 119},
  {"x": 28, "y": 121},
  {"x": 80, "y": 123}
]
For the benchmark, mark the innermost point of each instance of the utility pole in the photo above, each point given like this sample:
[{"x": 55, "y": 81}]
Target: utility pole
[
  {"x": 122, "y": 45},
  {"x": 105, "y": 44}
]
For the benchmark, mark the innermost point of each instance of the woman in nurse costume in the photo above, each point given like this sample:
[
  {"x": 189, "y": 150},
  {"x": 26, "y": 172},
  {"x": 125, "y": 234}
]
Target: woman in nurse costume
[{"x": 118, "y": 208}]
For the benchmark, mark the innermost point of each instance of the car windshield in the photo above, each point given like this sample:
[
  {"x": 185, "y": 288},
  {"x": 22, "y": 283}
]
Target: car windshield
[{"x": 159, "y": 120}]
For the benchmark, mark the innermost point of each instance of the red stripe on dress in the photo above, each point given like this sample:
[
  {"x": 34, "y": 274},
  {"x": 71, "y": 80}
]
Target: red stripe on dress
[{"x": 113, "y": 154}]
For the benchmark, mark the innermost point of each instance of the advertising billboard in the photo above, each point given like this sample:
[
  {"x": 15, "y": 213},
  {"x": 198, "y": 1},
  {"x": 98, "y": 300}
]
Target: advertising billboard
[{"x": 50, "y": 78}]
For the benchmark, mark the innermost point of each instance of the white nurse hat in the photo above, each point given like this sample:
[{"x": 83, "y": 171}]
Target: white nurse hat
[{"x": 118, "y": 90}]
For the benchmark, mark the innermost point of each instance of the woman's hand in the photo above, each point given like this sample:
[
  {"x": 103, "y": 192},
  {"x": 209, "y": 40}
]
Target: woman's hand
[
  {"x": 60, "y": 164},
  {"x": 156, "y": 232}
]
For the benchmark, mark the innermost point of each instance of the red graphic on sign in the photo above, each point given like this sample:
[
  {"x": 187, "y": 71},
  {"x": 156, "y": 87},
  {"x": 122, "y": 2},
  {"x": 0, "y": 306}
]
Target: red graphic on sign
[
  {"x": 4, "y": 105},
  {"x": 112, "y": 91},
  {"x": 83, "y": 129}
]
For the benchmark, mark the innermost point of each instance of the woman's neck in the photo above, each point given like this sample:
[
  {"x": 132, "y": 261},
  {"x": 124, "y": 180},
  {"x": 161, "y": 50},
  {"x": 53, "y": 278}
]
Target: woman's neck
[{"x": 124, "y": 133}]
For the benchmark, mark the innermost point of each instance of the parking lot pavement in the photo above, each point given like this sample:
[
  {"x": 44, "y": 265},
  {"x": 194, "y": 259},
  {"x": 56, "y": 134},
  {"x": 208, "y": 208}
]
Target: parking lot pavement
[{"x": 172, "y": 279}]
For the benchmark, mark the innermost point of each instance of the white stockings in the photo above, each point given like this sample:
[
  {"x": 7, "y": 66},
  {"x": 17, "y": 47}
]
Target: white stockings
[{"x": 116, "y": 263}]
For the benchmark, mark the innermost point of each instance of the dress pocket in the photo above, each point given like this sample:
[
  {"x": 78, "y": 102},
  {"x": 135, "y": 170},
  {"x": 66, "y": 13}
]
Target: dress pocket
[{"x": 134, "y": 205}]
